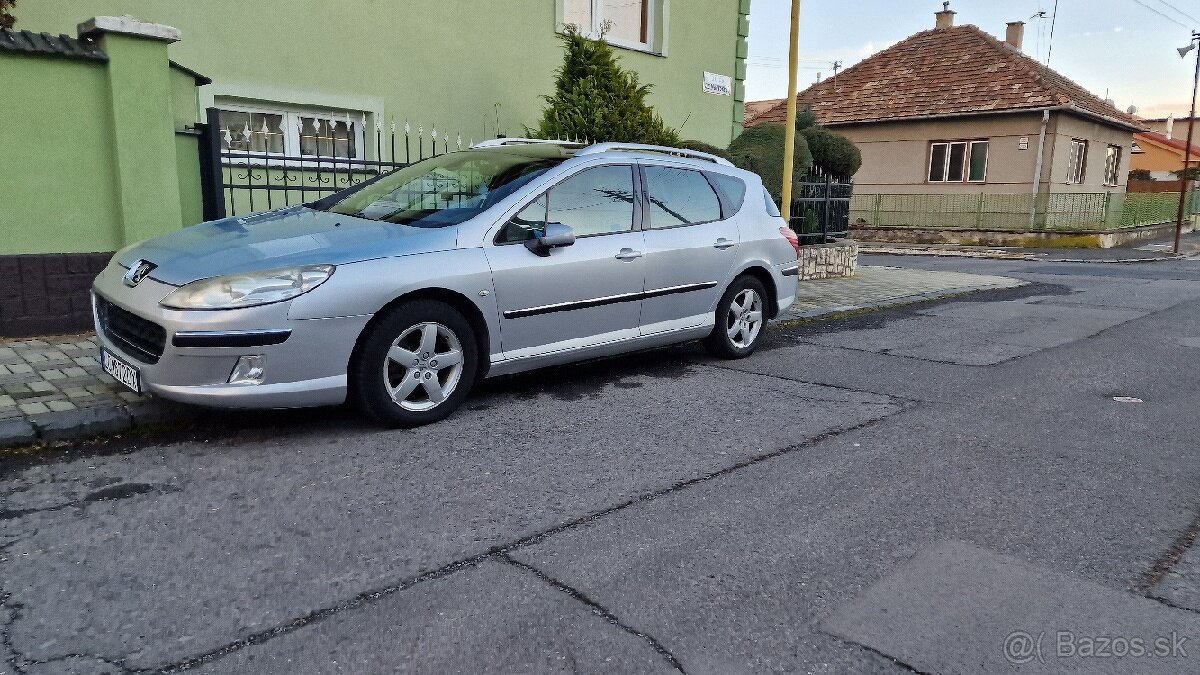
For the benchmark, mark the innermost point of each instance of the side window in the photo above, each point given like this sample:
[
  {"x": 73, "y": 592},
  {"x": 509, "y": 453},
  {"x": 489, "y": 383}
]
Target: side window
[
  {"x": 522, "y": 225},
  {"x": 680, "y": 197},
  {"x": 734, "y": 189},
  {"x": 595, "y": 201}
]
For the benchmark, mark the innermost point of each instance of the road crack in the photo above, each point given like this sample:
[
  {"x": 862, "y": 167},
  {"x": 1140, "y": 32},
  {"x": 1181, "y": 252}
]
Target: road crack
[
  {"x": 597, "y": 609},
  {"x": 369, "y": 597}
]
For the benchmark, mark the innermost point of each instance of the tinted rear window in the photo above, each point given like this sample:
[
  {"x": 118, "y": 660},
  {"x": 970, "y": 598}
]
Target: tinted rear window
[
  {"x": 772, "y": 209},
  {"x": 733, "y": 188},
  {"x": 680, "y": 197}
]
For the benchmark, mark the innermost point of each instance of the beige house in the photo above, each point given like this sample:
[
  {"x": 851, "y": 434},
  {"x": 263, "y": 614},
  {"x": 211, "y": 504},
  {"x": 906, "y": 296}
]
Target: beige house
[{"x": 954, "y": 110}]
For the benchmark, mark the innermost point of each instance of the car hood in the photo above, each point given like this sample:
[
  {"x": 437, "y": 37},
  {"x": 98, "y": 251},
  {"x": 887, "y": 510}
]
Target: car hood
[{"x": 280, "y": 238}]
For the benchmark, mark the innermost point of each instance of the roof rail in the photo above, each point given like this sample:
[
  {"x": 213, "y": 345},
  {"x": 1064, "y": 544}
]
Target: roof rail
[
  {"x": 501, "y": 142},
  {"x": 658, "y": 149}
]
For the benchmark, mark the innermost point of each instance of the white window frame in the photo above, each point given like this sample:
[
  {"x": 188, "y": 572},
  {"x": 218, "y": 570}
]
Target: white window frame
[
  {"x": 968, "y": 148},
  {"x": 651, "y": 9},
  {"x": 1077, "y": 161},
  {"x": 291, "y": 139},
  {"x": 1112, "y": 165}
]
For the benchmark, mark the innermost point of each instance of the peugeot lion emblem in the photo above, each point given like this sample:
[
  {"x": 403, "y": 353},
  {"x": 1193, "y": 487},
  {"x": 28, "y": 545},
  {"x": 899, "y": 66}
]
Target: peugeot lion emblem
[{"x": 138, "y": 271}]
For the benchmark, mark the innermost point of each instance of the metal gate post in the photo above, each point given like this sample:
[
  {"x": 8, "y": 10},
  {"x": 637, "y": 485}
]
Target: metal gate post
[{"x": 212, "y": 182}]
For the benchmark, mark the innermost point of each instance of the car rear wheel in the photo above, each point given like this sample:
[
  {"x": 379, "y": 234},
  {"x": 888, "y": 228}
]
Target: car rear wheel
[
  {"x": 416, "y": 364},
  {"x": 741, "y": 314}
]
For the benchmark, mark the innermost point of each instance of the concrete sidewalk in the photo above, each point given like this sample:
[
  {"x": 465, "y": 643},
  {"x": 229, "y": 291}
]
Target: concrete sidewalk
[{"x": 53, "y": 388}]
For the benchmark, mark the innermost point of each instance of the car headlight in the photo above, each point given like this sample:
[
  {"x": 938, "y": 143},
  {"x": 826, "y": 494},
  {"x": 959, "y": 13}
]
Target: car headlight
[{"x": 248, "y": 290}]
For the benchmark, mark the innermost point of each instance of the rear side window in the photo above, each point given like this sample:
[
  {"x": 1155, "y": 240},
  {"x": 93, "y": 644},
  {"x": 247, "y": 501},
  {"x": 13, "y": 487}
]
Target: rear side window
[
  {"x": 734, "y": 189},
  {"x": 680, "y": 197},
  {"x": 772, "y": 209}
]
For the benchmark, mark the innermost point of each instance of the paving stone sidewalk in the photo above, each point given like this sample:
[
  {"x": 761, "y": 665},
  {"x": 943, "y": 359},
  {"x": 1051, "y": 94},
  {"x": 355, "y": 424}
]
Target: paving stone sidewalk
[
  {"x": 53, "y": 388},
  {"x": 874, "y": 287}
]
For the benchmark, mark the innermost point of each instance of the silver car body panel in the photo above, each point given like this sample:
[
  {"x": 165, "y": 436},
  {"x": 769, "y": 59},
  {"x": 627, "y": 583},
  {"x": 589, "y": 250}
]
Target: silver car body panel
[{"x": 582, "y": 301}]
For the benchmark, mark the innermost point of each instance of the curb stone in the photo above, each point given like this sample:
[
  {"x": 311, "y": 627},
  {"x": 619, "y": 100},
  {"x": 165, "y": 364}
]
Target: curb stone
[
  {"x": 16, "y": 432},
  {"x": 69, "y": 424}
]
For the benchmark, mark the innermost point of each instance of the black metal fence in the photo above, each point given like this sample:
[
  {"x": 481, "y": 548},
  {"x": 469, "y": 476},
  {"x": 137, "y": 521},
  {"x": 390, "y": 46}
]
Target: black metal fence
[
  {"x": 240, "y": 173},
  {"x": 821, "y": 207}
]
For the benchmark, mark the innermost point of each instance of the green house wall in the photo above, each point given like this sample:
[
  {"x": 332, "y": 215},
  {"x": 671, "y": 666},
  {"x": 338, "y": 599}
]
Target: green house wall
[{"x": 469, "y": 67}]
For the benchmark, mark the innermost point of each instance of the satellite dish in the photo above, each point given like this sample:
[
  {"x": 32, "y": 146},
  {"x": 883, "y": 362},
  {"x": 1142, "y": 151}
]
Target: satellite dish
[
  {"x": 1132, "y": 110},
  {"x": 1111, "y": 103}
]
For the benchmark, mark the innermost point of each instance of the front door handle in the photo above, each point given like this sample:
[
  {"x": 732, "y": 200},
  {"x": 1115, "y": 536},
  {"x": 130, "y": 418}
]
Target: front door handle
[
  {"x": 628, "y": 254},
  {"x": 724, "y": 243}
]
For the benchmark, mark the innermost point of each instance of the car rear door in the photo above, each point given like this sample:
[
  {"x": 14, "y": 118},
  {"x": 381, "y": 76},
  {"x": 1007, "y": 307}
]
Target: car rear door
[
  {"x": 691, "y": 245},
  {"x": 580, "y": 295}
]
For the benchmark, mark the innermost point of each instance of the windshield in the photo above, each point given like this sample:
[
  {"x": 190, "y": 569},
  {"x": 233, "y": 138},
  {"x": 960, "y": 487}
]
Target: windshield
[{"x": 444, "y": 190}]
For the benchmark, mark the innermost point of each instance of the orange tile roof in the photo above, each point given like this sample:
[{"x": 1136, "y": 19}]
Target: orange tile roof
[
  {"x": 945, "y": 72},
  {"x": 1176, "y": 144},
  {"x": 756, "y": 108}
]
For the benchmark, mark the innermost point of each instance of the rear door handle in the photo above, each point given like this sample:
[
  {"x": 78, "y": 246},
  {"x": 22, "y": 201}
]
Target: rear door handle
[
  {"x": 724, "y": 243},
  {"x": 628, "y": 254}
]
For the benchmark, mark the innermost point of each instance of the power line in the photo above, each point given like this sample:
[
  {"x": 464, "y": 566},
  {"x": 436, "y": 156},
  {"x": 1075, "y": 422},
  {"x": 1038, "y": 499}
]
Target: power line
[
  {"x": 1168, "y": 18},
  {"x": 1182, "y": 13}
]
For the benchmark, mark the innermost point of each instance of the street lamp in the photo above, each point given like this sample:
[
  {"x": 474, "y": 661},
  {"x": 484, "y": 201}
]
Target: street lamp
[{"x": 1187, "y": 149}]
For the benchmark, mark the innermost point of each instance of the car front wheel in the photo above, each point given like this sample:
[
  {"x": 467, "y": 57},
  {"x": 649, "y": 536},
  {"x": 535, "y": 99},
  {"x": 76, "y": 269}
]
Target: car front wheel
[
  {"x": 416, "y": 364},
  {"x": 741, "y": 314}
]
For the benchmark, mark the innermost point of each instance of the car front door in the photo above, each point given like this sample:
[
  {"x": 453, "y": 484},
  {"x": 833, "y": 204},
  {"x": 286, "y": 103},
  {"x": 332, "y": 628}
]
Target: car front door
[
  {"x": 691, "y": 244},
  {"x": 579, "y": 295}
]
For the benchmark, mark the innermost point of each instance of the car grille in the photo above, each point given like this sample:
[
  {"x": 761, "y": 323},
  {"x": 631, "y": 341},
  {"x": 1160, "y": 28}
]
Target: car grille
[{"x": 140, "y": 338}]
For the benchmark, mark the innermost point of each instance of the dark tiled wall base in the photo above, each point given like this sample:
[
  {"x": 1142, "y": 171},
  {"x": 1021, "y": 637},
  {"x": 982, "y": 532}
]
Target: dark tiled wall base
[{"x": 47, "y": 293}]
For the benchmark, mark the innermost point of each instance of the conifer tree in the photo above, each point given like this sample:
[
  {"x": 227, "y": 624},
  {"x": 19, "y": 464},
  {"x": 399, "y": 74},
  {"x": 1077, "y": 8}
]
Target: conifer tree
[{"x": 596, "y": 99}]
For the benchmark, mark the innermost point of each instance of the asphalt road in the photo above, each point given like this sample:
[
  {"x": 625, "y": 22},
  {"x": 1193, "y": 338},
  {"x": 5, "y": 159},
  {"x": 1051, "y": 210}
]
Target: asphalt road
[{"x": 892, "y": 492}]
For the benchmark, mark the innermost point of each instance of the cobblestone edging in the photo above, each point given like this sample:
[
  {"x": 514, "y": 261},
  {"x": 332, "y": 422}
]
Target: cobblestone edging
[
  {"x": 54, "y": 388},
  {"x": 828, "y": 261}
]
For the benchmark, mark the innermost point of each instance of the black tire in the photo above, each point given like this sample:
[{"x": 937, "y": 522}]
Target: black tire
[
  {"x": 374, "y": 375},
  {"x": 719, "y": 342}
]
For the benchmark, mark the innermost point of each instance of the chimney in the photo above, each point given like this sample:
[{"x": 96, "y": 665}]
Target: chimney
[
  {"x": 945, "y": 18},
  {"x": 1015, "y": 33},
  {"x": 1170, "y": 124}
]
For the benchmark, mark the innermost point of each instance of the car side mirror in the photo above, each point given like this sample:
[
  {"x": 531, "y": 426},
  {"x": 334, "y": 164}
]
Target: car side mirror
[{"x": 556, "y": 235}]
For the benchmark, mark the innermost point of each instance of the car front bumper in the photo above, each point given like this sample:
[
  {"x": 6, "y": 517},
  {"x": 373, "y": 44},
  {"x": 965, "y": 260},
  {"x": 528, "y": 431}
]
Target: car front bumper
[{"x": 306, "y": 360}]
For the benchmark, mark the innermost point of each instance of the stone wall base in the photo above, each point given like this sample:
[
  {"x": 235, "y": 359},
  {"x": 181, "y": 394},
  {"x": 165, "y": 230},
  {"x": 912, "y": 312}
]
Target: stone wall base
[
  {"x": 828, "y": 261},
  {"x": 1017, "y": 238},
  {"x": 47, "y": 294}
]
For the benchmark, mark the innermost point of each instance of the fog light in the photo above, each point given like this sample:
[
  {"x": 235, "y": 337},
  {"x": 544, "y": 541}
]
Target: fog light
[{"x": 249, "y": 370}]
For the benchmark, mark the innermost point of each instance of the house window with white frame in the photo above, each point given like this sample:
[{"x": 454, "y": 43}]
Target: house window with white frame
[
  {"x": 958, "y": 161},
  {"x": 1077, "y": 161},
  {"x": 624, "y": 23},
  {"x": 296, "y": 134},
  {"x": 1112, "y": 165}
]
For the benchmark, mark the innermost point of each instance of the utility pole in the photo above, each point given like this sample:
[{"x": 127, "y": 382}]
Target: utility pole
[
  {"x": 789, "y": 132},
  {"x": 1187, "y": 149}
]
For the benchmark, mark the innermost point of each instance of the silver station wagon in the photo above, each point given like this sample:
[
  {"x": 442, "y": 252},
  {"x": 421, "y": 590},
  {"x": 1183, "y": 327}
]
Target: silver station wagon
[{"x": 400, "y": 293}]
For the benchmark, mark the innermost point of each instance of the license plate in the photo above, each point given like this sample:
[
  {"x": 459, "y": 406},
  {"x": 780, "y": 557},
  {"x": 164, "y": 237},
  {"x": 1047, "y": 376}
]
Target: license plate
[{"x": 120, "y": 370}]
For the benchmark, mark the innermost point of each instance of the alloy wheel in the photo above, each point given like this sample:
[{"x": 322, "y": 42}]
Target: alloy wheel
[
  {"x": 423, "y": 366},
  {"x": 744, "y": 320}
]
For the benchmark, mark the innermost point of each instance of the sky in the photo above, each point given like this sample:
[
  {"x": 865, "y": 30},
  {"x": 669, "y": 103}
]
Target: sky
[{"x": 1123, "y": 47}]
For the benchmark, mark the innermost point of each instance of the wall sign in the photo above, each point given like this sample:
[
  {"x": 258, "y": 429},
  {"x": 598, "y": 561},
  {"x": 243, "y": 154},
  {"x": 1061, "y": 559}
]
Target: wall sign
[
  {"x": 721, "y": 85},
  {"x": 1023, "y": 143}
]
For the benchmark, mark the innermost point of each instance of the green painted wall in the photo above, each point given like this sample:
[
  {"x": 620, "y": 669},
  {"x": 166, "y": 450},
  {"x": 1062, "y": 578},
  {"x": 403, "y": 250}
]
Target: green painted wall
[
  {"x": 437, "y": 62},
  {"x": 57, "y": 186},
  {"x": 144, "y": 132}
]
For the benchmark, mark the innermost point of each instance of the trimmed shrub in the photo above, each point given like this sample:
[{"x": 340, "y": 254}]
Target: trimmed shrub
[
  {"x": 834, "y": 153},
  {"x": 760, "y": 149},
  {"x": 595, "y": 99}
]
